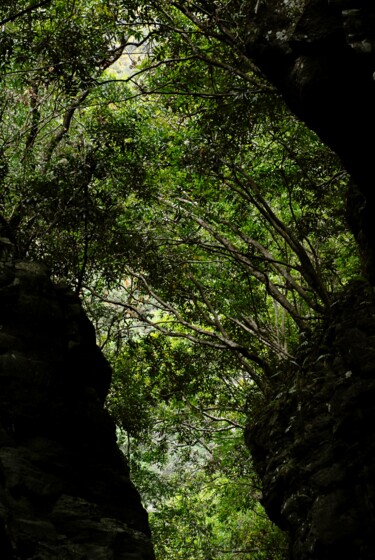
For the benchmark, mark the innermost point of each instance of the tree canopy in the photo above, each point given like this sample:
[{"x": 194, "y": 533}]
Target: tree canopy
[{"x": 146, "y": 160}]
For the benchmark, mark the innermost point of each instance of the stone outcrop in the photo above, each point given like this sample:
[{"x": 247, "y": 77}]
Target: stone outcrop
[
  {"x": 65, "y": 491},
  {"x": 314, "y": 443},
  {"x": 320, "y": 54}
]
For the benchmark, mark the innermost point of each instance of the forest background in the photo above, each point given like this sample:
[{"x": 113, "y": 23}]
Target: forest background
[{"x": 148, "y": 163}]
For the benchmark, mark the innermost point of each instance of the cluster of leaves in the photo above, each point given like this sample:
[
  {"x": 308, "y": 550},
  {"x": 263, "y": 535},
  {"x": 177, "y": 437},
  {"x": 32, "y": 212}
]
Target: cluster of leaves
[
  {"x": 184, "y": 442},
  {"x": 68, "y": 162}
]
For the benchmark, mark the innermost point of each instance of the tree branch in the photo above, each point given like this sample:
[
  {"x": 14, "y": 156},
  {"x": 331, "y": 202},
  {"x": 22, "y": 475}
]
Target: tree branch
[
  {"x": 25, "y": 11},
  {"x": 215, "y": 418}
]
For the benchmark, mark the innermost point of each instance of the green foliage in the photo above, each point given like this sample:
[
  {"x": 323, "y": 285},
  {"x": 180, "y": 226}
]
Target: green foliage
[
  {"x": 195, "y": 524},
  {"x": 202, "y": 224},
  {"x": 186, "y": 452}
]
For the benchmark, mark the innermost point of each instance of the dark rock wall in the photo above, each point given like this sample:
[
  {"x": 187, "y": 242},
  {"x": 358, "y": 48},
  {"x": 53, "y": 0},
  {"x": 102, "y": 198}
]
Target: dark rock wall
[
  {"x": 65, "y": 491},
  {"x": 320, "y": 54},
  {"x": 314, "y": 444}
]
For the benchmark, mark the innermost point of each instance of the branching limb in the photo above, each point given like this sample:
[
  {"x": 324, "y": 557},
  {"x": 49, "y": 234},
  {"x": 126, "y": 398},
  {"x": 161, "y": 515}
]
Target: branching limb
[
  {"x": 201, "y": 336},
  {"x": 25, "y": 11},
  {"x": 247, "y": 187},
  {"x": 215, "y": 418},
  {"x": 245, "y": 261}
]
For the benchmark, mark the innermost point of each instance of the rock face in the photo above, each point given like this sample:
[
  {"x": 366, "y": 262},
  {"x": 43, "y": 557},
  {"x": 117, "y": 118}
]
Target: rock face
[
  {"x": 314, "y": 444},
  {"x": 65, "y": 491},
  {"x": 320, "y": 54}
]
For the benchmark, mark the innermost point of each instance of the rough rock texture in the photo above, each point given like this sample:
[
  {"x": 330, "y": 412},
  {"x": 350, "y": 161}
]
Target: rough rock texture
[
  {"x": 320, "y": 54},
  {"x": 65, "y": 491},
  {"x": 314, "y": 444}
]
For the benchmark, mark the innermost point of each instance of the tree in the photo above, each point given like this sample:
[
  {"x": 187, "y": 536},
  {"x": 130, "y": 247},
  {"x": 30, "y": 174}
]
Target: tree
[
  {"x": 248, "y": 213},
  {"x": 319, "y": 56}
]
